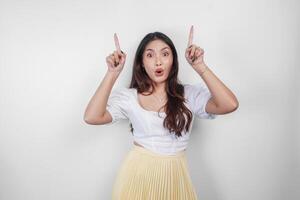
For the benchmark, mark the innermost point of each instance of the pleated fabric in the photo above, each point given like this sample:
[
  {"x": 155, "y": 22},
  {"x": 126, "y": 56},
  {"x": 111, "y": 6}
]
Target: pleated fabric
[{"x": 146, "y": 175}]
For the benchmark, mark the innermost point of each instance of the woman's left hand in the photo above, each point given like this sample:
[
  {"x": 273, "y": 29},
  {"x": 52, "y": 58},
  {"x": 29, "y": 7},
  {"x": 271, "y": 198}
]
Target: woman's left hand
[{"x": 194, "y": 54}]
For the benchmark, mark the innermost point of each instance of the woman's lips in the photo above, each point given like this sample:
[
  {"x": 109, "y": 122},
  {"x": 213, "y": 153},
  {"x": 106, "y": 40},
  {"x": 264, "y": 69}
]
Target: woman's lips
[
  {"x": 159, "y": 69},
  {"x": 159, "y": 72}
]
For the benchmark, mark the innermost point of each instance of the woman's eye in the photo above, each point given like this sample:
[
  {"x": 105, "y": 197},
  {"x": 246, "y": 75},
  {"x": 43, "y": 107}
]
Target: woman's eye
[
  {"x": 166, "y": 53},
  {"x": 149, "y": 55}
]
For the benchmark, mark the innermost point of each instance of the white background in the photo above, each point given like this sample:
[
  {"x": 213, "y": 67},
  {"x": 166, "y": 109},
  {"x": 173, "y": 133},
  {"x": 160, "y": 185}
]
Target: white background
[{"x": 52, "y": 59}]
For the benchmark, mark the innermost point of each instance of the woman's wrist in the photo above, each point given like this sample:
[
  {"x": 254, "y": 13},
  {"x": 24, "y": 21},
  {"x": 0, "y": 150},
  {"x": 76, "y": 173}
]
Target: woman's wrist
[
  {"x": 112, "y": 74},
  {"x": 201, "y": 68}
]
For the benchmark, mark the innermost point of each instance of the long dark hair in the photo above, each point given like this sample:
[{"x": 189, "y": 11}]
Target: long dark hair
[{"x": 178, "y": 116}]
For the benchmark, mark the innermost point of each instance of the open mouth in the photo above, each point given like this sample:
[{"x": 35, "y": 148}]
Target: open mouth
[{"x": 159, "y": 72}]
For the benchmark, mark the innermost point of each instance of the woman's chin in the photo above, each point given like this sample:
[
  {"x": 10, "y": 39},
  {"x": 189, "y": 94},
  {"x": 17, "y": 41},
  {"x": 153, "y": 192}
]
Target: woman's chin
[{"x": 159, "y": 79}]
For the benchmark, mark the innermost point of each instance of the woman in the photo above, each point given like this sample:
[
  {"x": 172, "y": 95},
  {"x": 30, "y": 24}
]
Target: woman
[{"x": 161, "y": 112}]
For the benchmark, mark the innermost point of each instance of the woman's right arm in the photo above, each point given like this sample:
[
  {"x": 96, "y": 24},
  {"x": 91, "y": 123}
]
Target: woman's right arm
[{"x": 96, "y": 112}]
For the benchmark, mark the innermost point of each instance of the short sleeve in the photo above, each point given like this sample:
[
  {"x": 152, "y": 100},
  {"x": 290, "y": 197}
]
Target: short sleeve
[
  {"x": 197, "y": 96},
  {"x": 117, "y": 104}
]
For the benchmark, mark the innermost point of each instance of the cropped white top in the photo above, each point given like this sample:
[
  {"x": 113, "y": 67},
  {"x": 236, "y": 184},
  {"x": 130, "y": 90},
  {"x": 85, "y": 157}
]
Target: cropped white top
[{"x": 147, "y": 125}]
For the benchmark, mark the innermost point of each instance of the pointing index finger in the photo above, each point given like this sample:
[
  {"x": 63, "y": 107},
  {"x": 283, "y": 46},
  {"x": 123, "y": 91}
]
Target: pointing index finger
[
  {"x": 191, "y": 35},
  {"x": 117, "y": 43}
]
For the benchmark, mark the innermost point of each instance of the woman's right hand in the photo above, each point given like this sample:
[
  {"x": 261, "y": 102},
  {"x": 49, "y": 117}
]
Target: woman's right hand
[{"x": 116, "y": 60}]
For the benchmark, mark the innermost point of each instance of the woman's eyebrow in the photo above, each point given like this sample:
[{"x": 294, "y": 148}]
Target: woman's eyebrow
[{"x": 161, "y": 49}]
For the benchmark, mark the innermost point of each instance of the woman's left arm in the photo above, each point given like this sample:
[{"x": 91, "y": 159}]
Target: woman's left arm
[{"x": 223, "y": 100}]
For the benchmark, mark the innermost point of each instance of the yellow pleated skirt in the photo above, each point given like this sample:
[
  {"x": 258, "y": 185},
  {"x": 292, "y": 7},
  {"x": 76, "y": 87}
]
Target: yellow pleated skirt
[{"x": 146, "y": 175}]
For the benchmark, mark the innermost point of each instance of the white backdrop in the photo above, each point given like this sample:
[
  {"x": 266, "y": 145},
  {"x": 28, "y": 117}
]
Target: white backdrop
[{"x": 52, "y": 59}]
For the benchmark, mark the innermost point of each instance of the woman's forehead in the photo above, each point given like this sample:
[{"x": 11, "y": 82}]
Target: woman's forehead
[{"x": 156, "y": 45}]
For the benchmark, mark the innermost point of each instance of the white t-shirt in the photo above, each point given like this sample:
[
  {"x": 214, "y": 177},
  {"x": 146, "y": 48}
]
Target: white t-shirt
[{"x": 147, "y": 125}]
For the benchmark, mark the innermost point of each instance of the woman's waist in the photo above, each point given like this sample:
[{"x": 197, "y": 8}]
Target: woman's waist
[{"x": 161, "y": 149}]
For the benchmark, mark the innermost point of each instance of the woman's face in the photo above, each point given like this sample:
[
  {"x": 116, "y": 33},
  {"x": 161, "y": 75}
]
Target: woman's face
[{"x": 158, "y": 60}]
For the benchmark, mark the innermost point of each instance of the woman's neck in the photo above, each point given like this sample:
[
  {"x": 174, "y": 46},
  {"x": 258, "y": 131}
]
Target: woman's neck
[{"x": 160, "y": 89}]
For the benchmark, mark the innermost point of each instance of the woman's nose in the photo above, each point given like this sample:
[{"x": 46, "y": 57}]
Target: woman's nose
[{"x": 158, "y": 61}]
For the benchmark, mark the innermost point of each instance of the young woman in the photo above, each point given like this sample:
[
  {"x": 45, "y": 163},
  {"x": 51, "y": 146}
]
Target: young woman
[{"x": 161, "y": 111}]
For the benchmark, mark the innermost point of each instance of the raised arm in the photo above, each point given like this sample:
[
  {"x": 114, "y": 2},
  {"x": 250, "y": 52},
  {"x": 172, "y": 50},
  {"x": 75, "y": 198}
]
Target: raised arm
[
  {"x": 96, "y": 112},
  {"x": 223, "y": 100}
]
